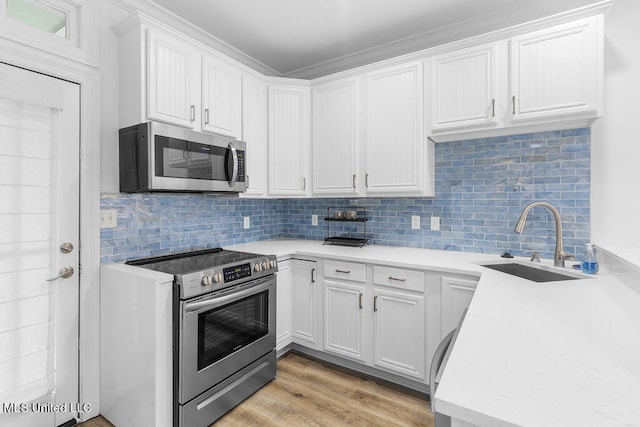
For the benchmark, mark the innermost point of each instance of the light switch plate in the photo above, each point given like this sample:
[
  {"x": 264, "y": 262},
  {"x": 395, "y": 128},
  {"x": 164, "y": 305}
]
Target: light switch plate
[
  {"x": 314, "y": 219},
  {"x": 415, "y": 222},
  {"x": 435, "y": 223},
  {"x": 108, "y": 218},
  {"x": 247, "y": 222}
]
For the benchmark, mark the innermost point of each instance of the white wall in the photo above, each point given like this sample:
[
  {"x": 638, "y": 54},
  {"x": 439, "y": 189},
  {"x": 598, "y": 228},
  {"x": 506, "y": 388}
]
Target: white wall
[
  {"x": 110, "y": 14},
  {"x": 615, "y": 195}
]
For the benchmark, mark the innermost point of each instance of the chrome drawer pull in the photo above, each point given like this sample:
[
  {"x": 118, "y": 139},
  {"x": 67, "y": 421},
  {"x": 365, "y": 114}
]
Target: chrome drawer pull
[
  {"x": 397, "y": 279},
  {"x": 343, "y": 271}
]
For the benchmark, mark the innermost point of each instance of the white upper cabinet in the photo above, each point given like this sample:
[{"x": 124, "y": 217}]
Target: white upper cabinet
[
  {"x": 221, "y": 97},
  {"x": 254, "y": 133},
  {"x": 548, "y": 79},
  {"x": 172, "y": 80},
  {"x": 463, "y": 88},
  {"x": 395, "y": 160},
  {"x": 335, "y": 138},
  {"x": 289, "y": 140},
  {"x": 557, "y": 72}
]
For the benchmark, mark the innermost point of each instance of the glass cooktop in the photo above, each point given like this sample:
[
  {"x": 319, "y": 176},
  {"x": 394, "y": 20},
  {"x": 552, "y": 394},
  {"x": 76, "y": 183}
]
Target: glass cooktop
[{"x": 190, "y": 262}]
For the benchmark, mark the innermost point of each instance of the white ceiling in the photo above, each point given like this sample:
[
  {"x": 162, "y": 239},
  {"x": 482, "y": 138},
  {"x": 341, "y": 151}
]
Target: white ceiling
[{"x": 309, "y": 38}]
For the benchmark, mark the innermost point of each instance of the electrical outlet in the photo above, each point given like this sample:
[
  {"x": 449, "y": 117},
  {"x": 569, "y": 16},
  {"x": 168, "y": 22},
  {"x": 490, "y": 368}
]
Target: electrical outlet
[
  {"x": 247, "y": 222},
  {"x": 314, "y": 219},
  {"x": 435, "y": 223},
  {"x": 415, "y": 222},
  {"x": 108, "y": 218}
]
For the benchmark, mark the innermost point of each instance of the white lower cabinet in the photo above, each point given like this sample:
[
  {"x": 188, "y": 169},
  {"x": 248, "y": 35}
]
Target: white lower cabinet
[
  {"x": 304, "y": 303},
  {"x": 399, "y": 332},
  {"x": 284, "y": 305},
  {"x": 344, "y": 319},
  {"x": 455, "y": 298}
]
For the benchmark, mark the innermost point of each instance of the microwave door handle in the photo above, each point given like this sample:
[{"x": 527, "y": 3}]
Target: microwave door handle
[
  {"x": 234, "y": 174},
  {"x": 214, "y": 302}
]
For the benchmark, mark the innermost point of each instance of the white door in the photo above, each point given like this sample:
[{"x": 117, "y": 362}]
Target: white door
[
  {"x": 335, "y": 138},
  {"x": 455, "y": 297},
  {"x": 304, "y": 302},
  {"x": 394, "y": 130},
  {"x": 284, "y": 305},
  {"x": 344, "y": 319},
  {"x": 289, "y": 124},
  {"x": 39, "y": 189},
  {"x": 221, "y": 98},
  {"x": 399, "y": 337}
]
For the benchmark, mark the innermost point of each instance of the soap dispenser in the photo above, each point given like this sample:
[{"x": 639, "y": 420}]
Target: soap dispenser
[{"x": 589, "y": 262}]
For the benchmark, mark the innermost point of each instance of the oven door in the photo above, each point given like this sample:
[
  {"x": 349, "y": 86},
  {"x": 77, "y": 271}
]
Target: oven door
[{"x": 223, "y": 332}]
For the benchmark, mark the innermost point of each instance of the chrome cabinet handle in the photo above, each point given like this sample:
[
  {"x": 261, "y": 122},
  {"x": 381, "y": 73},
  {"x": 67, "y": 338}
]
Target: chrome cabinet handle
[
  {"x": 375, "y": 303},
  {"x": 366, "y": 180},
  {"x": 354, "y": 181},
  {"x": 398, "y": 279},
  {"x": 193, "y": 113},
  {"x": 206, "y": 116},
  {"x": 304, "y": 184},
  {"x": 493, "y": 107},
  {"x": 513, "y": 103},
  {"x": 343, "y": 271},
  {"x": 360, "y": 300},
  {"x": 64, "y": 273},
  {"x": 313, "y": 278}
]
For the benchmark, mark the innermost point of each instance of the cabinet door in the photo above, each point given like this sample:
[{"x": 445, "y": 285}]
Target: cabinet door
[
  {"x": 304, "y": 302},
  {"x": 399, "y": 333},
  {"x": 394, "y": 130},
  {"x": 556, "y": 72},
  {"x": 221, "y": 97},
  {"x": 344, "y": 319},
  {"x": 254, "y": 133},
  {"x": 284, "y": 297},
  {"x": 335, "y": 138},
  {"x": 463, "y": 88},
  {"x": 289, "y": 139},
  {"x": 455, "y": 297},
  {"x": 172, "y": 79}
]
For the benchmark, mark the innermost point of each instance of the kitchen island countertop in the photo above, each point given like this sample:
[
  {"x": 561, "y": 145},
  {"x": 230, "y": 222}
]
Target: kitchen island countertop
[{"x": 528, "y": 354}]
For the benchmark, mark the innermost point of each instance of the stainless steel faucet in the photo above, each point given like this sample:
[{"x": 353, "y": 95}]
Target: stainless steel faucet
[{"x": 559, "y": 256}]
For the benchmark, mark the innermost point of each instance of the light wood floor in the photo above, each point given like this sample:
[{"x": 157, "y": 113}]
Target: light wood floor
[{"x": 308, "y": 393}]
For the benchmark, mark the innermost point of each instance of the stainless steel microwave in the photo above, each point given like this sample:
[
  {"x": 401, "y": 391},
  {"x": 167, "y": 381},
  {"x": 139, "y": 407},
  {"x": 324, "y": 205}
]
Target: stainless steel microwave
[{"x": 160, "y": 157}]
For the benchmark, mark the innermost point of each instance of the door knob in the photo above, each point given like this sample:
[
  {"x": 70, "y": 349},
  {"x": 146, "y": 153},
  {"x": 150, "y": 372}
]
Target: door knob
[
  {"x": 66, "y": 248},
  {"x": 65, "y": 272}
]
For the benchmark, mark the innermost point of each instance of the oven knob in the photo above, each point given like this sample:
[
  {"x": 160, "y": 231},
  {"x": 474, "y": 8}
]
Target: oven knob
[
  {"x": 265, "y": 265},
  {"x": 217, "y": 278},
  {"x": 206, "y": 280},
  {"x": 257, "y": 267},
  {"x": 272, "y": 264}
]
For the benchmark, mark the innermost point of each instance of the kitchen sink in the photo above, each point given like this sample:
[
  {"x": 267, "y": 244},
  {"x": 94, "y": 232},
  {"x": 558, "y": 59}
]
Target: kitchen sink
[{"x": 535, "y": 274}]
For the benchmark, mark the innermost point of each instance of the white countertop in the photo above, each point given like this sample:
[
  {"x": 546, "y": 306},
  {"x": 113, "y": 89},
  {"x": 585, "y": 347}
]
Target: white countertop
[{"x": 528, "y": 354}]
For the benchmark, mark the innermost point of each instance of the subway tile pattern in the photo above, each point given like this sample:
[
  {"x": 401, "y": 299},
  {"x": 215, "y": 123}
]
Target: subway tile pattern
[
  {"x": 160, "y": 224},
  {"x": 482, "y": 185}
]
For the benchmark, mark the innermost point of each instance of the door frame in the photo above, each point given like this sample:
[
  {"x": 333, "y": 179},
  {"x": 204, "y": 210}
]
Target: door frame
[{"x": 14, "y": 53}]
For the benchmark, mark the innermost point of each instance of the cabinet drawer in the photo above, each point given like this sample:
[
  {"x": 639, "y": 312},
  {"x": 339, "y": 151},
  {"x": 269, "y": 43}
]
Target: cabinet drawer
[
  {"x": 345, "y": 270},
  {"x": 398, "y": 278}
]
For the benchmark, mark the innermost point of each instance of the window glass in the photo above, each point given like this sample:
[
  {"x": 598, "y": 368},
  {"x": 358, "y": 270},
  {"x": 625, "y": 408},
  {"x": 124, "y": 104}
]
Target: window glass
[{"x": 38, "y": 15}]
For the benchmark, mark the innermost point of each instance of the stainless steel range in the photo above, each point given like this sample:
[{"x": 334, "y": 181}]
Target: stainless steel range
[{"x": 224, "y": 329}]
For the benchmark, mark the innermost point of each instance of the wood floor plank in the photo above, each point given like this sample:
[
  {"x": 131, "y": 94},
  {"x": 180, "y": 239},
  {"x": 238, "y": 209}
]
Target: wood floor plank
[{"x": 309, "y": 393}]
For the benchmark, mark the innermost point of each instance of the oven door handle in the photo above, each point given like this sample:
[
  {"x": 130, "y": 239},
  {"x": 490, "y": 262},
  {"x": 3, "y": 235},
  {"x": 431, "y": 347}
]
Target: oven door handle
[{"x": 214, "y": 302}]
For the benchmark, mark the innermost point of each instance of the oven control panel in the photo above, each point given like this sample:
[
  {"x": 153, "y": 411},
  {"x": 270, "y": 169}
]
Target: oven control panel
[
  {"x": 236, "y": 272},
  {"x": 216, "y": 278}
]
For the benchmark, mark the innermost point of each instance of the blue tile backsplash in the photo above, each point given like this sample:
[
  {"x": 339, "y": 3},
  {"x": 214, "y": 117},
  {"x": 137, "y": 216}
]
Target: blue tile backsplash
[{"x": 482, "y": 185}]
